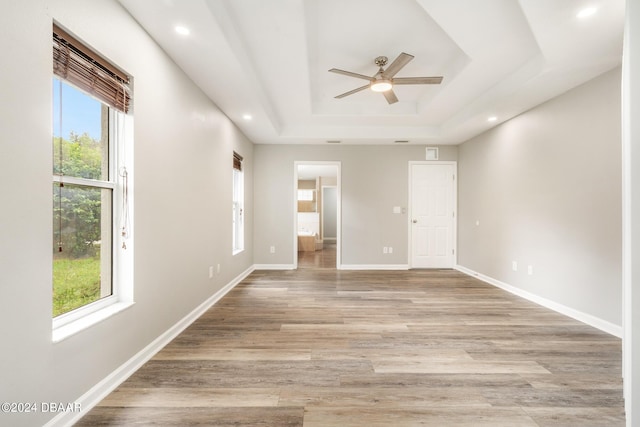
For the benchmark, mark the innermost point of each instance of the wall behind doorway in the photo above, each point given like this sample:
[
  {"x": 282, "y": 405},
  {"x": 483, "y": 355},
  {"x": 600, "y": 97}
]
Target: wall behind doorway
[
  {"x": 329, "y": 212},
  {"x": 374, "y": 179}
]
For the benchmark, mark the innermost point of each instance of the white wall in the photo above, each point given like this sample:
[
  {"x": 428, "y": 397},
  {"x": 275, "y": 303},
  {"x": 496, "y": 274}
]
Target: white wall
[
  {"x": 545, "y": 188},
  {"x": 374, "y": 180},
  {"x": 182, "y": 192},
  {"x": 631, "y": 214}
]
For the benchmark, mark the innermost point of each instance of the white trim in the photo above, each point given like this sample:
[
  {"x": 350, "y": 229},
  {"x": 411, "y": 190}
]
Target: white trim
[
  {"x": 375, "y": 266},
  {"x": 339, "y": 217},
  {"x": 295, "y": 215},
  {"x": 238, "y": 240},
  {"x": 454, "y": 233},
  {"x": 86, "y": 319},
  {"x": 98, "y": 392},
  {"x": 589, "y": 319},
  {"x": 85, "y": 182},
  {"x": 630, "y": 94},
  {"x": 343, "y": 267},
  {"x": 274, "y": 267}
]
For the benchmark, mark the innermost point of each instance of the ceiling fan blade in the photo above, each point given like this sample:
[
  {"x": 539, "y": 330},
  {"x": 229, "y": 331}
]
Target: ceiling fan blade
[
  {"x": 351, "y": 92},
  {"x": 402, "y": 60},
  {"x": 349, "y": 73},
  {"x": 391, "y": 96},
  {"x": 417, "y": 80}
]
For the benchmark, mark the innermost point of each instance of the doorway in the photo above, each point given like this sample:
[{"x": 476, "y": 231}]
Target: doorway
[
  {"x": 317, "y": 204},
  {"x": 433, "y": 216}
]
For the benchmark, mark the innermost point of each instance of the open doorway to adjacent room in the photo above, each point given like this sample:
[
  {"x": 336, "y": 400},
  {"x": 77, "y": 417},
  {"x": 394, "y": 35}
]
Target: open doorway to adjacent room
[{"x": 317, "y": 205}]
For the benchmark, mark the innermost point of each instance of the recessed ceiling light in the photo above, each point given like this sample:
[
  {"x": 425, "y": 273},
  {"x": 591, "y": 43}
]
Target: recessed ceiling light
[
  {"x": 184, "y": 31},
  {"x": 247, "y": 116},
  {"x": 492, "y": 119},
  {"x": 586, "y": 12}
]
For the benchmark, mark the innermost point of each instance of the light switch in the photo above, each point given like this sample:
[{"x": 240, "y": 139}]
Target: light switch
[{"x": 397, "y": 209}]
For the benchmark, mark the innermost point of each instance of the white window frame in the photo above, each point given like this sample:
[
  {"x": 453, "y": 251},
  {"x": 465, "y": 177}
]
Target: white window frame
[
  {"x": 120, "y": 156},
  {"x": 238, "y": 211}
]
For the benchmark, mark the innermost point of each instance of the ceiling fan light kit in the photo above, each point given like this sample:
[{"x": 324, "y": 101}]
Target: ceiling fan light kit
[
  {"x": 383, "y": 81},
  {"x": 381, "y": 85}
]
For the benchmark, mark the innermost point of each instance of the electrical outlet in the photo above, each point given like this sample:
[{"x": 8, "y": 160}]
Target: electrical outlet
[
  {"x": 514, "y": 265},
  {"x": 211, "y": 271},
  {"x": 272, "y": 249},
  {"x": 530, "y": 270},
  {"x": 218, "y": 269},
  {"x": 385, "y": 250},
  {"x": 390, "y": 250}
]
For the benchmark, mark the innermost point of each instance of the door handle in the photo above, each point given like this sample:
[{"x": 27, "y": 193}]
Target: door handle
[{"x": 414, "y": 221}]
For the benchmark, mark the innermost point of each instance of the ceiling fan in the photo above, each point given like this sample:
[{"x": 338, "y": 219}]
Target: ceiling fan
[{"x": 383, "y": 81}]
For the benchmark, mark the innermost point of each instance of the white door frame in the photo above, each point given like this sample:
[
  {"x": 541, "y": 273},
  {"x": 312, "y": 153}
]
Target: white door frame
[
  {"x": 338, "y": 165},
  {"x": 454, "y": 234}
]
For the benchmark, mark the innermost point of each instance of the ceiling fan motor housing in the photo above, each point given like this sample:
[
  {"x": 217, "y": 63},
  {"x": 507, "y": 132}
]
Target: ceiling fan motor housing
[{"x": 381, "y": 61}]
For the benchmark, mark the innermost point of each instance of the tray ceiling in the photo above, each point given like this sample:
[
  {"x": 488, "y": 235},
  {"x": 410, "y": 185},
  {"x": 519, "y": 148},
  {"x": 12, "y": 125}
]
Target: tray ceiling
[{"x": 270, "y": 59}]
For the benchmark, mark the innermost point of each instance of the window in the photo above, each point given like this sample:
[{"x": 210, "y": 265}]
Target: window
[
  {"x": 306, "y": 195},
  {"x": 238, "y": 204},
  {"x": 90, "y": 179}
]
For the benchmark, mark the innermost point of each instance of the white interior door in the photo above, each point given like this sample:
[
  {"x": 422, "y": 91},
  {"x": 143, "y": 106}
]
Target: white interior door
[{"x": 433, "y": 215}]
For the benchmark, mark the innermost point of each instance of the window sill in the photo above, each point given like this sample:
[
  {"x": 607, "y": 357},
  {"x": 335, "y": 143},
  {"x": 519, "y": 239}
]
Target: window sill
[
  {"x": 65, "y": 331},
  {"x": 237, "y": 251}
]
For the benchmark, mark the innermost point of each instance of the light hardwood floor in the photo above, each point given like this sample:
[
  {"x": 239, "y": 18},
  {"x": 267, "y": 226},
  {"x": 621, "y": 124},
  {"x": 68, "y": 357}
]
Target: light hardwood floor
[{"x": 320, "y": 347}]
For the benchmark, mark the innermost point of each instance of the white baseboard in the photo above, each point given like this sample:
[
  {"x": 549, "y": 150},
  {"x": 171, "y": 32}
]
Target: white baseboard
[
  {"x": 98, "y": 392},
  {"x": 374, "y": 267},
  {"x": 274, "y": 267},
  {"x": 590, "y": 320}
]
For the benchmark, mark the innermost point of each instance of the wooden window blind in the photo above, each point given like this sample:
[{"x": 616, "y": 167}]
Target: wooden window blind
[
  {"x": 237, "y": 161},
  {"x": 79, "y": 65}
]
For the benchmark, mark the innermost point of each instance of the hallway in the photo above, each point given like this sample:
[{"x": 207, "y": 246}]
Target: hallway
[{"x": 324, "y": 258}]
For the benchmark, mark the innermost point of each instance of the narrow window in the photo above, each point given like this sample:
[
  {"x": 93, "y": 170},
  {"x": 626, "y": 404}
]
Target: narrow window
[
  {"x": 238, "y": 204},
  {"x": 90, "y": 177},
  {"x": 306, "y": 195}
]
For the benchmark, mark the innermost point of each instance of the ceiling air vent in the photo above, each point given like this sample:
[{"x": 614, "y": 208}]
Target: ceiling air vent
[
  {"x": 401, "y": 141},
  {"x": 334, "y": 142}
]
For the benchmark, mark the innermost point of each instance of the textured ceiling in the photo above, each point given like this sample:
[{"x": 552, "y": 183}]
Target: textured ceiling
[{"x": 270, "y": 59}]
